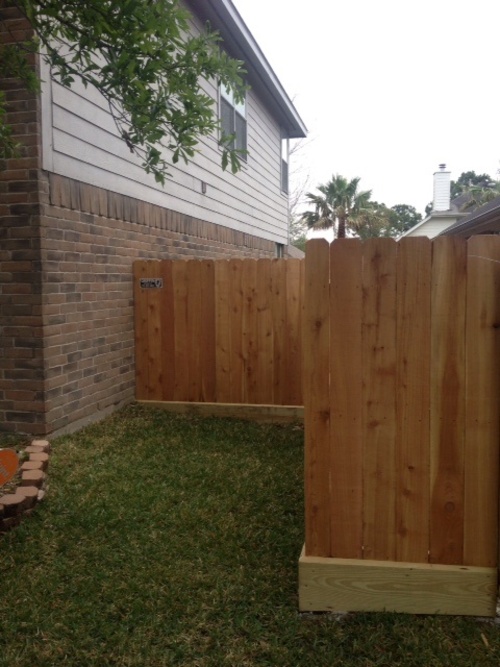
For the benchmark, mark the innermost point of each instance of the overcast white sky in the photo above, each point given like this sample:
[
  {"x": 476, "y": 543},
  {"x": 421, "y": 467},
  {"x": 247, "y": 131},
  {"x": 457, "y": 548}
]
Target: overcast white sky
[{"x": 388, "y": 89}]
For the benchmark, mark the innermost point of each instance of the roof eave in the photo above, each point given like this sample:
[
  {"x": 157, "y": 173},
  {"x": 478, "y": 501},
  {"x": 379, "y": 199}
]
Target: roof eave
[
  {"x": 477, "y": 223},
  {"x": 240, "y": 43}
]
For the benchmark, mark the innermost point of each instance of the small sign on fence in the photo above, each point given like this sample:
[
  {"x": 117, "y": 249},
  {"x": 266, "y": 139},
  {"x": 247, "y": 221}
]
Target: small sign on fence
[{"x": 151, "y": 283}]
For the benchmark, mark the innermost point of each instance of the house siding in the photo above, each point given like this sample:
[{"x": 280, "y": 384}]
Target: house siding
[{"x": 81, "y": 142}]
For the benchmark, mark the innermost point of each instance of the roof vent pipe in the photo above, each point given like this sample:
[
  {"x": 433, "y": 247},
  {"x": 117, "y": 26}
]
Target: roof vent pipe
[{"x": 441, "y": 199}]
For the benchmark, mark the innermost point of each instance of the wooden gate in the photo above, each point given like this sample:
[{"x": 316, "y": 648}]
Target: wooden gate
[
  {"x": 401, "y": 393},
  {"x": 219, "y": 331}
]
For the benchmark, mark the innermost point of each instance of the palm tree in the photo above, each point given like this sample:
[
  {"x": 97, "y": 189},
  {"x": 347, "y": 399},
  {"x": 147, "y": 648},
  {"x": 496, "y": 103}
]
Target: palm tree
[{"x": 339, "y": 205}]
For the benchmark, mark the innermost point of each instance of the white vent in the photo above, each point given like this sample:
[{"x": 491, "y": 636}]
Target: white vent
[{"x": 441, "y": 201}]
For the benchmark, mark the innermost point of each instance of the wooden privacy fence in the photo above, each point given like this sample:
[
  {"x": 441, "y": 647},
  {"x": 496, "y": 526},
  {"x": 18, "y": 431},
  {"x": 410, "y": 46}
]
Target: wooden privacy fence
[
  {"x": 401, "y": 397},
  {"x": 219, "y": 331}
]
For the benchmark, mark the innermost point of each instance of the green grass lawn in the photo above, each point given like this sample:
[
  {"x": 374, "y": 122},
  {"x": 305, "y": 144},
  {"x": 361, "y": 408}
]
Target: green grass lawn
[{"x": 166, "y": 540}]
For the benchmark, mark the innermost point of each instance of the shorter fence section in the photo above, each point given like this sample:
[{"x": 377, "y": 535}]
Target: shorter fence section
[{"x": 219, "y": 331}]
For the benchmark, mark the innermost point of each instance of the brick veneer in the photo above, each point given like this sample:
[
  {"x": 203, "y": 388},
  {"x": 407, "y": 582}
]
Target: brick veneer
[
  {"x": 67, "y": 248},
  {"x": 21, "y": 325}
]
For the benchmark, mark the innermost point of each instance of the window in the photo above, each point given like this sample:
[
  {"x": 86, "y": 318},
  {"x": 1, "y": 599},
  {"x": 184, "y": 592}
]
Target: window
[
  {"x": 284, "y": 163},
  {"x": 233, "y": 120}
]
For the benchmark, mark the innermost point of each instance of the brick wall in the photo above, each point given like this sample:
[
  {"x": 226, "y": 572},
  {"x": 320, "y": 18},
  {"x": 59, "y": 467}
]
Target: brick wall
[{"x": 21, "y": 344}]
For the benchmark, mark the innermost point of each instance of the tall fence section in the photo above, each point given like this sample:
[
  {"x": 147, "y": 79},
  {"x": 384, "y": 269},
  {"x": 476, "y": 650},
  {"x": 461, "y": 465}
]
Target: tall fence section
[
  {"x": 401, "y": 393},
  {"x": 219, "y": 331}
]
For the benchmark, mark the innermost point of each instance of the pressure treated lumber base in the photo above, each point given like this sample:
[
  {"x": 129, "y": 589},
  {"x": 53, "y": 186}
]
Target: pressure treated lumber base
[
  {"x": 340, "y": 585},
  {"x": 259, "y": 413}
]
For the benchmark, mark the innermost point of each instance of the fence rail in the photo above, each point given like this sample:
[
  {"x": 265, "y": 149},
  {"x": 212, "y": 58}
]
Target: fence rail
[{"x": 224, "y": 331}]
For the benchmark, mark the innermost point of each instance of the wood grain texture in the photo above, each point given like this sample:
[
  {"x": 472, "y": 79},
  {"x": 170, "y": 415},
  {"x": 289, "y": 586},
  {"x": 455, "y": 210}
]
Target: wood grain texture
[
  {"x": 249, "y": 331},
  {"x": 413, "y": 399},
  {"x": 379, "y": 398},
  {"x": 265, "y": 334},
  {"x": 222, "y": 332},
  {"x": 482, "y": 423},
  {"x": 207, "y": 342},
  {"x": 281, "y": 370},
  {"x": 167, "y": 333},
  {"x": 181, "y": 330},
  {"x": 236, "y": 364},
  {"x": 194, "y": 329},
  {"x": 340, "y": 585},
  {"x": 317, "y": 398},
  {"x": 447, "y": 400},
  {"x": 293, "y": 346},
  {"x": 346, "y": 399}
]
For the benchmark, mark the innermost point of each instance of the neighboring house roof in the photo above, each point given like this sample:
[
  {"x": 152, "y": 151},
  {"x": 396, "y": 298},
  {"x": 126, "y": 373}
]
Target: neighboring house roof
[
  {"x": 435, "y": 223},
  {"x": 483, "y": 220},
  {"x": 459, "y": 202},
  {"x": 296, "y": 253},
  {"x": 240, "y": 43}
]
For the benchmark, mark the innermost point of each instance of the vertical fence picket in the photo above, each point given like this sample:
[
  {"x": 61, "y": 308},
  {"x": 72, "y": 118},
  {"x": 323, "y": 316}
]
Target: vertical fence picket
[
  {"x": 316, "y": 398},
  {"x": 167, "y": 333},
  {"x": 447, "y": 400},
  {"x": 293, "y": 346},
  {"x": 413, "y": 399},
  {"x": 236, "y": 326},
  {"x": 279, "y": 319},
  {"x": 181, "y": 331},
  {"x": 345, "y": 398},
  {"x": 249, "y": 330},
  {"x": 207, "y": 339},
  {"x": 379, "y": 400},
  {"x": 482, "y": 427},
  {"x": 265, "y": 336},
  {"x": 194, "y": 328},
  {"x": 222, "y": 332}
]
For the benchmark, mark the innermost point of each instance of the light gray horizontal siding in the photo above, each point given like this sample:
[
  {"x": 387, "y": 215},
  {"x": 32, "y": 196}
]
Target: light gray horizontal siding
[
  {"x": 81, "y": 142},
  {"x": 432, "y": 227}
]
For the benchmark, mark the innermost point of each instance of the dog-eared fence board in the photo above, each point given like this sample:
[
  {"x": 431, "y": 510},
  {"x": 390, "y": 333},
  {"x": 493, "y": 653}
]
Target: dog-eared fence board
[
  {"x": 413, "y": 330},
  {"x": 447, "y": 400},
  {"x": 219, "y": 331},
  {"x": 429, "y": 352},
  {"x": 346, "y": 399},
  {"x": 482, "y": 423},
  {"x": 317, "y": 409}
]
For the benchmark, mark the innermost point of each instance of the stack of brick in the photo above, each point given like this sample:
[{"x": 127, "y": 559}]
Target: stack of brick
[{"x": 20, "y": 502}]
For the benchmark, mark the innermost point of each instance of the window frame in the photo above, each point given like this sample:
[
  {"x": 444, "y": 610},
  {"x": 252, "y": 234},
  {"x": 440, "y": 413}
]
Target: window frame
[
  {"x": 238, "y": 111},
  {"x": 284, "y": 163}
]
